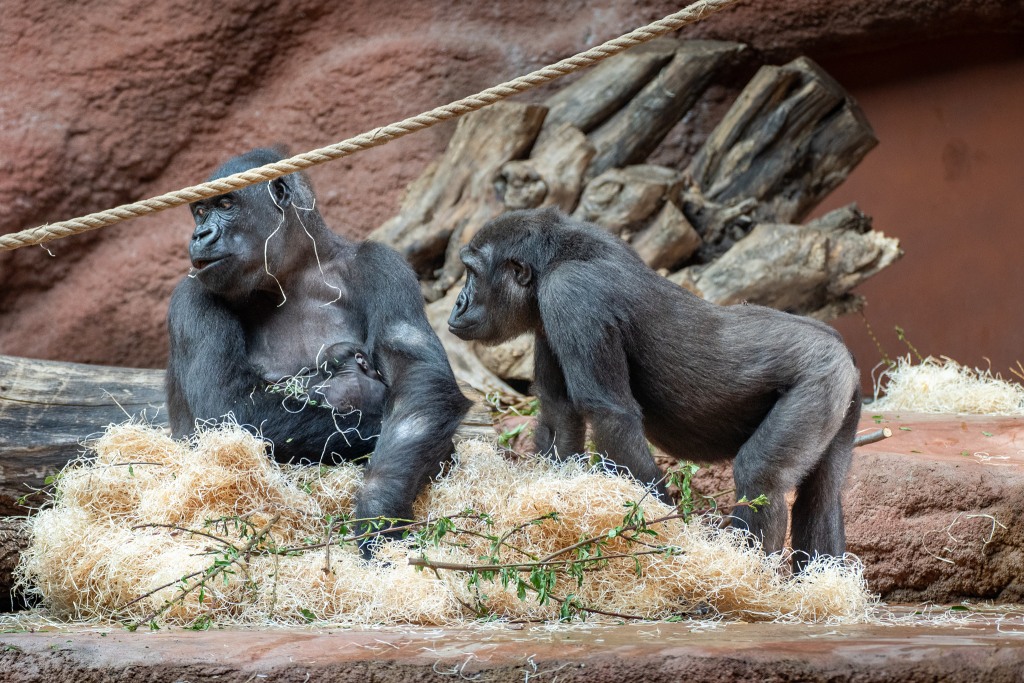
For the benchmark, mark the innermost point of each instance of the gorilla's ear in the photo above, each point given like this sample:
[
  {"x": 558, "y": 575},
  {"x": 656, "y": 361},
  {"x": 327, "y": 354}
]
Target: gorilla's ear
[
  {"x": 281, "y": 192},
  {"x": 521, "y": 271}
]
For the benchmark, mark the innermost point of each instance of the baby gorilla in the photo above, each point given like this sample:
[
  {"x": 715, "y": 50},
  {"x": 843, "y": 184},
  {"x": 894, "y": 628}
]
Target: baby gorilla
[
  {"x": 350, "y": 382},
  {"x": 639, "y": 356}
]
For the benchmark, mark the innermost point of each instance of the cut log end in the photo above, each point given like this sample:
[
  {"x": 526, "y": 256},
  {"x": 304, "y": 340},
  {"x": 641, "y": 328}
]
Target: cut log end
[{"x": 872, "y": 437}]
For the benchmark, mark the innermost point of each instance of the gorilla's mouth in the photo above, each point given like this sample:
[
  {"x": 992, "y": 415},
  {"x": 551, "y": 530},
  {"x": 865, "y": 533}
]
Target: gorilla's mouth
[
  {"x": 204, "y": 263},
  {"x": 461, "y": 330}
]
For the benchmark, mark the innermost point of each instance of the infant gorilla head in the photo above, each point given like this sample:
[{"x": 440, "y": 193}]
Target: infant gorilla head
[{"x": 350, "y": 381}]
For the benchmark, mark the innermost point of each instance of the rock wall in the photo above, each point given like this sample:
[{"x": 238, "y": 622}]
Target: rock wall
[
  {"x": 107, "y": 103},
  {"x": 946, "y": 179}
]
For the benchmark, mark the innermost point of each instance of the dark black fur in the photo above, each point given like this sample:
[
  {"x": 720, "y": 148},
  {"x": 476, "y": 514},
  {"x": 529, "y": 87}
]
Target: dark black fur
[
  {"x": 234, "y": 328},
  {"x": 350, "y": 382},
  {"x": 621, "y": 346}
]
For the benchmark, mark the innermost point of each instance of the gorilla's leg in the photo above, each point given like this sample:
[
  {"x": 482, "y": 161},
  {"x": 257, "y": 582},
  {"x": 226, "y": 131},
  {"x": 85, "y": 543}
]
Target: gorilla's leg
[
  {"x": 786, "y": 446},
  {"x": 620, "y": 433},
  {"x": 818, "y": 511}
]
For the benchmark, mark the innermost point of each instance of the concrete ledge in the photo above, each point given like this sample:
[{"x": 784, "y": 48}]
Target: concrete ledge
[{"x": 646, "y": 652}]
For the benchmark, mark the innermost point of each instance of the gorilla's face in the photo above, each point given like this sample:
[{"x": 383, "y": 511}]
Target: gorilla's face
[
  {"x": 495, "y": 303},
  {"x": 231, "y": 248}
]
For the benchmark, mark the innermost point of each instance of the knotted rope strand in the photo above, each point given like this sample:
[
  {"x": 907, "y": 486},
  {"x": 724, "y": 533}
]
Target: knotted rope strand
[{"x": 373, "y": 138}]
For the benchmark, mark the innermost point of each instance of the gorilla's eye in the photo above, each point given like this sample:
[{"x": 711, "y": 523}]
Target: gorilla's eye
[{"x": 225, "y": 203}]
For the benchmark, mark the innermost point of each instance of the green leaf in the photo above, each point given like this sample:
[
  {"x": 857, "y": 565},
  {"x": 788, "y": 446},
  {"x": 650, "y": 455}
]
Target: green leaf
[
  {"x": 905, "y": 429},
  {"x": 986, "y": 433},
  {"x": 202, "y": 623},
  {"x": 878, "y": 419},
  {"x": 959, "y": 608},
  {"x": 506, "y": 437},
  {"x": 307, "y": 615}
]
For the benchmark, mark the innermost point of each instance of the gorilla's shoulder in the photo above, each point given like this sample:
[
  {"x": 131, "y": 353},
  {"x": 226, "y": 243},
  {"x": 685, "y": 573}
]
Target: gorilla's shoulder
[
  {"x": 384, "y": 275},
  {"x": 188, "y": 294},
  {"x": 376, "y": 261}
]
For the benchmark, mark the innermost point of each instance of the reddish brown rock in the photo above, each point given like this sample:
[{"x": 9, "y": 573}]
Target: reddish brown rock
[{"x": 937, "y": 512}]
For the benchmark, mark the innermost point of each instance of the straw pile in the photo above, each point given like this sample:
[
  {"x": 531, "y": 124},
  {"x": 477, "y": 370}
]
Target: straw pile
[
  {"x": 944, "y": 386},
  {"x": 97, "y": 548}
]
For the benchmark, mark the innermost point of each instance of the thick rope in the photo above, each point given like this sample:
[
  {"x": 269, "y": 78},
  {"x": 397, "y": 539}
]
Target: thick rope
[{"x": 373, "y": 138}]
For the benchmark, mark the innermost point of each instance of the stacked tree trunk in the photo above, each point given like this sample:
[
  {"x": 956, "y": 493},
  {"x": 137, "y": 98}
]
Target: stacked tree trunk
[{"x": 726, "y": 226}]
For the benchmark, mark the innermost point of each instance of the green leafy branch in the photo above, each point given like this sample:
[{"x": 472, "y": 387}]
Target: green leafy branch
[
  {"x": 223, "y": 567},
  {"x": 526, "y": 573}
]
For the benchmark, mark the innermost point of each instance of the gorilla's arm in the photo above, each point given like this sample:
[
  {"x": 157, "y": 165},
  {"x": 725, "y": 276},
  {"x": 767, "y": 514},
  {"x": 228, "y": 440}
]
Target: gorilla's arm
[
  {"x": 587, "y": 341},
  {"x": 424, "y": 405},
  {"x": 209, "y": 375},
  {"x": 561, "y": 428}
]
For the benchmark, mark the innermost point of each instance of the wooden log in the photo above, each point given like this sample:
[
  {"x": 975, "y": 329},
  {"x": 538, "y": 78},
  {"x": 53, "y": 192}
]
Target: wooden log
[
  {"x": 479, "y": 421},
  {"x": 789, "y": 139},
  {"x": 13, "y": 542},
  {"x": 510, "y": 360},
  {"x": 49, "y": 409},
  {"x": 798, "y": 268},
  {"x": 622, "y": 199},
  {"x": 457, "y": 190},
  {"x": 552, "y": 176},
  {"x": 856, "y": 252},
  {"x": 872, "y": 437},
  {"x": 668, "y": 240},
  {"x": 483, "y": 198},
  {"x": 719, "y": 225},
  {"x": 602, "y": 91},
  {"x": 630, "y": 135},
  {"x": 846, "y": 218},
  {"x": 782, "y": 266}
]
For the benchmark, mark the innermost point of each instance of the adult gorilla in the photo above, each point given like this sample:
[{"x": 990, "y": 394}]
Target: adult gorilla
[{"x": 273, "y": 288}]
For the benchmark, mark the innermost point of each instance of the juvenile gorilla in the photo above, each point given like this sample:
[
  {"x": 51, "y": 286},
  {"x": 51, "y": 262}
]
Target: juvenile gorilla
[
  {"x": 621, "y": 346},
  {"x": 273, "y": 287}
]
